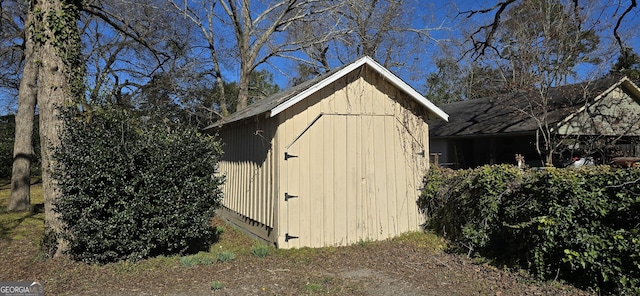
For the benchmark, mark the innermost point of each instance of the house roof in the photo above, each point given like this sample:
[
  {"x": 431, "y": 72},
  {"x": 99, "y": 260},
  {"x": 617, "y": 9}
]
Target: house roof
[
  {"x": 279, "y": 102},
  {"x": 512, "y": 113}
]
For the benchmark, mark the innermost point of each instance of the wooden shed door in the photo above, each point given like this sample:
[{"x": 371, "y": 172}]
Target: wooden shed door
[{"x": 351, "y": 178}]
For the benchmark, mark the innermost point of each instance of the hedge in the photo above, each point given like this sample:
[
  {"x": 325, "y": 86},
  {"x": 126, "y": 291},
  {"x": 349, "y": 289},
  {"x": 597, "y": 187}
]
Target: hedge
[{"x": 578, "y": 225}]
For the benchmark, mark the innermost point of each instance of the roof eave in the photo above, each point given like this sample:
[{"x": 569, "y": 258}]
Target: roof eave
[{"x": 631, "y": 87}]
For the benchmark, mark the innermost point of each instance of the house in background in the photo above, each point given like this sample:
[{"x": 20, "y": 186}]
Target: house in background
[
  {"x": 604, "y": 112},
  {"x": 333, "y": 161}
]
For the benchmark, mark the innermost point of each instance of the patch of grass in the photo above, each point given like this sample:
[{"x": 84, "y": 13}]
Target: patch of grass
[
  {"x": 324, "y": 285},
  {"x": 202, "y": 258},
  {"x": 313, "y": 287},
  {"x": 231, "y": 239},
  {"x": 18, "y": 226},
  {"x": 124, "y": 267},
  {"x": 22, "y": 225},
  {"x": 215, "y": 285},
  {"x": 479, "y": 260},
  {"x": 426, "y": 240},
  {"x": 219, "y": 230},
  {"x": 226, "y": 256},
  {"x": 158, "y": 263},
  {"x": 261, "y": 250},
  {"x": 36, "y": 191},
  {"x": 363, "y": 242}
]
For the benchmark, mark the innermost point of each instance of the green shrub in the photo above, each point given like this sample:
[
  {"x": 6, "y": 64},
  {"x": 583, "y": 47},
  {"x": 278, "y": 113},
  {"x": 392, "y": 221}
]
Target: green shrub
[
  {"x": 133, "y": 190},
  {"x": 582, "y": 226},
  {"x": 465, "y": 204}
]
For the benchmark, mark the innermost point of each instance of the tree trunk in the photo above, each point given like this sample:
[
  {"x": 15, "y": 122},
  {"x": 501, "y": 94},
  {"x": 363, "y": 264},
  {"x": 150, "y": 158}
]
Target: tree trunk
[
  {"x": 50, "y": 126},
  {"x": 57, "y": 86},
  {"x": 224, "y": 111},
  {"x": 23, "y": 147},
  {"x": 243, "y": 89}
]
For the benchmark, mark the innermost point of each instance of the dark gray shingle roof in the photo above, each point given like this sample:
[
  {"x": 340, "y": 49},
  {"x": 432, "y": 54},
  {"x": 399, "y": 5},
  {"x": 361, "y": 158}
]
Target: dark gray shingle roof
[{"x": 511, "y": 113}]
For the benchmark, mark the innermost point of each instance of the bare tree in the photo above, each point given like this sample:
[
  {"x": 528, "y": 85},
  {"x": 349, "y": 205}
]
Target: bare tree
[
  {"x": 484, "y": 37},
  {"x": 544, "y": 41},
  {"x": 380, "y": 29},
  {"x": 204, "y": 16},
  {"x": 393, "y": 32},
  {"x": 12, "y": 18},
  {"x": 127, "y": 43},
  {"x": 260, "y": 30},
  {"x": 107, "y": 50},
  {"x": 536, "y": 46}
]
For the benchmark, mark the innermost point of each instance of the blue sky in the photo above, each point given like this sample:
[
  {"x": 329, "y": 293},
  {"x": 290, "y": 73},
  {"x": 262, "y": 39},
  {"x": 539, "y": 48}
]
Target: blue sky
[
  {"x": 434, "y": 14},
  {"x": 446, "y": 14}
]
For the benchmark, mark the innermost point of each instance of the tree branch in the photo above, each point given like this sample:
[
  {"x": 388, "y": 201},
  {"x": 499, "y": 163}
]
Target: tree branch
[
  {"x": 480, "y": 47},
  {"x": 125, "y": 29},
  {"x": 632, "y": 5}
]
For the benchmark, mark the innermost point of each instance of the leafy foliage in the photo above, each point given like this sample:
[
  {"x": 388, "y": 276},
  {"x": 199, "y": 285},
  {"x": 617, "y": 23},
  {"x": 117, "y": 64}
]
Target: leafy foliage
[
  {"x": 133, "y": 189},
  {"x": 579, "y": 225},
  {"x": 628, "y": 63},
  {"x": 181, "y": 99},
  {"x": 56, "y": 26},
  {"x": 7, "y": 134}
]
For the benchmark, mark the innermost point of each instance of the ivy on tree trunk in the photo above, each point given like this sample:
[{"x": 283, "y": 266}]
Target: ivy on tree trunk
[{"x": 54, "y": 68}]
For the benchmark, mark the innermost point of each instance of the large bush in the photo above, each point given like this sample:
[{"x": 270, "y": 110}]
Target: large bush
[
  {"x": 582, "y": 226},
  {"x": 133, "y": 189}
]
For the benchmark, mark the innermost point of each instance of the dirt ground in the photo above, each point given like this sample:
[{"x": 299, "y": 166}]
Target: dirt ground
[{"x": 412, "y": 265}]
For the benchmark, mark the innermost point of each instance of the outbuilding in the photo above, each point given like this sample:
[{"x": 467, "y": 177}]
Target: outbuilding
[{"x": 330, "y": 162}]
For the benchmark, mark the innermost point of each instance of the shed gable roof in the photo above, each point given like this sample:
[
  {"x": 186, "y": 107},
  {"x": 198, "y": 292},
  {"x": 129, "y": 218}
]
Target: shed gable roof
[
  {"x": 504, "y": 114},
  {"x": 277, "y": 103}
]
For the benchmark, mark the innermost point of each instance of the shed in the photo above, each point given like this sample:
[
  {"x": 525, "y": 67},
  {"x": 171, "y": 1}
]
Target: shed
[{"x": 330, "y": 162}]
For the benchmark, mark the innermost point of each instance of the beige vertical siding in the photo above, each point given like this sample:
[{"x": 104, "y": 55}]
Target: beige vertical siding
[
  {"x": 248, "y": 164},
  {"x": 360, "y": 158}
]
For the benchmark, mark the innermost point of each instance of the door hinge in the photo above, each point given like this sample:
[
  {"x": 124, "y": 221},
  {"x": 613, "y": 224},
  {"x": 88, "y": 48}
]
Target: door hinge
[
  {"x": 287, "y": 156},
  {"x": 288, "y": 196},
  {"x": 287, "y": 237}
]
